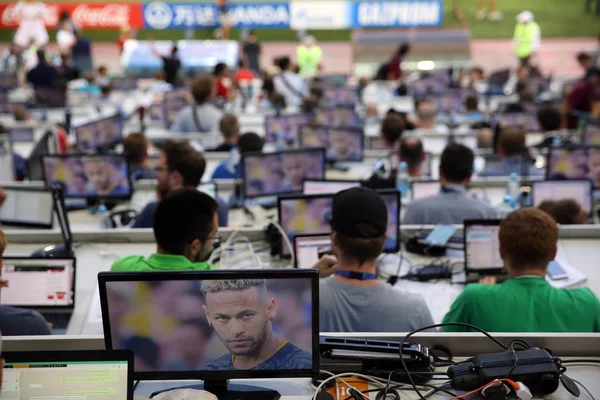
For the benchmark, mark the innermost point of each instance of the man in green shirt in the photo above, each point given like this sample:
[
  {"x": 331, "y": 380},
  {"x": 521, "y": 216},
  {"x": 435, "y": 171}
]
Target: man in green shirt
[
  {"x": 526, "y": 302},
  {"x": 185, "y": 226}
]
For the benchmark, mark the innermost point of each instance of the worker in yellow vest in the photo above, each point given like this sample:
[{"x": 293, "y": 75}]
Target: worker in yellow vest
[
  {"x": 527, "y": 37},
  {"x": 309, "y": 57}
]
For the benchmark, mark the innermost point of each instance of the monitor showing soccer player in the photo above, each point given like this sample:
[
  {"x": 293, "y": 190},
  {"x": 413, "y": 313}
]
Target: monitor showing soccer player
[
  {"x": 270, "y": 174},
  {"x": 284, "y": 128},
  {"x": 89, "y": 176},
  {"x": 342, "y": 143},
  {"x": 337, "y": 116},
  {"x": 247, "y": 321},
  {"x": 574, "y": 163}
]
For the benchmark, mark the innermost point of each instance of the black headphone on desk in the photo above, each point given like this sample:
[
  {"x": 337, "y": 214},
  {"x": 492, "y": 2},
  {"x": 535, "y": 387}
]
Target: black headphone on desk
[{"x": 122, "y": 219}]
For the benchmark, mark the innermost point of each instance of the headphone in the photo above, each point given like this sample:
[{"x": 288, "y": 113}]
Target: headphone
[{"x": 122, "y": 219}]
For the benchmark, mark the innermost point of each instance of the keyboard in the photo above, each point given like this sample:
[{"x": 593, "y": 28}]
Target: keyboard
[{"x": 58, "y": 321}]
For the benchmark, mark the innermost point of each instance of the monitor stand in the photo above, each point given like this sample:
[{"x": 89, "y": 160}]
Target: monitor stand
[{"x": 224, "y": 391}]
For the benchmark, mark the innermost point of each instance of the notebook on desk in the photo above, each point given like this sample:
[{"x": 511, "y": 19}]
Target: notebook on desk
[{"x": 54, "y": 283}]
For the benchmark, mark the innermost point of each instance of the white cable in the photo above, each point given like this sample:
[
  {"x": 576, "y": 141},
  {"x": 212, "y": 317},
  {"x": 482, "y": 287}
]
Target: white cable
[{"x": 287, "y": 242}]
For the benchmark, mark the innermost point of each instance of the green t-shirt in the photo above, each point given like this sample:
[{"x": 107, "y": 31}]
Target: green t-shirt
[
  {"x": 527, "y": 304},
  {"x": 158, "y": 262}
]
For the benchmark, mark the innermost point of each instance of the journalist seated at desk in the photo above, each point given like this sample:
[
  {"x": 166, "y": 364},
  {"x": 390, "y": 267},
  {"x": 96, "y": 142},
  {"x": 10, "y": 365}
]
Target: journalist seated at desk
[
  {"x": 201, "y": 116},
  {"x": 453, "y": 204},
  {"x": 179, "y": 166},
  {"x": 185, "y": 226},
  {"x": 232, "y": 169},
  {"x": 412, "y": 153},
  {"x": 354, "y": 300},
  {"x": 19, "y": 321},
  {"x": 526, "y": 302},
  {"x": 515, "y": 159},
  {"x": 135, "y": 148}
]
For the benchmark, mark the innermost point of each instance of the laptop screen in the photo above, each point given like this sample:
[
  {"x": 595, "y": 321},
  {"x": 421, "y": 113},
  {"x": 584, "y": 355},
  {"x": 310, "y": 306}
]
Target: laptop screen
[
  {"x": 425, "y": 189},
  {"x": 307, "y": 249},
  {"x": 27, "y": 207},
  {"x": 54, "y": 281},
  {"x": 21, "y": 134},
  {"x": 580, "y": 191},
  {"x": 327, "y": 187},
  {"x": 482, "y": 247},
  {"x": 66, "y": 375}
]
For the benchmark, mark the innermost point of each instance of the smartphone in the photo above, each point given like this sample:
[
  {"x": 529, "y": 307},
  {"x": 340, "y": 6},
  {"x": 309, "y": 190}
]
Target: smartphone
[
  {"x": 556, "y": 272},
  {"x": 440, "y": 235}
]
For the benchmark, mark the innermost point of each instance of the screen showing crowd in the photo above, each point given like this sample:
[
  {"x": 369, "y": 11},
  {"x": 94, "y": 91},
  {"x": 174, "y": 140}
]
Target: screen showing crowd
[
  {"x": 283, "y": 172},
  {"x": 342, "y": 144},
  {"x": 213, "y": 325},
  {"x": 89, "y": 176},
  {"x": 313, "y": 215},
  {"x": 575, "y": 163}
]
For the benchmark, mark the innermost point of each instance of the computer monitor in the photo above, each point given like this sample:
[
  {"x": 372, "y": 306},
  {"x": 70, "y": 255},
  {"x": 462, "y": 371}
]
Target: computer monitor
[
  {"x": 591, "y": 134},
  {"x": 337, "y": 116},
  {"x": 21, "y": 134},
  {"x": 304, "y": 214},
  {"x": 340, "y": 96},
  {"x": 214, "y": 325},
  {"x": 210, "y": 188},
  {"x": 99, "y": 135},
  {"x": 527, "y": 121},
  {"x": 53, "y": 280},
  {"x": 46, "y": 145},
  {"x": 7, "y": 168},
  {"x": 421, "y": 189},
  {"x": 316, "y": 186},
  {"x": 453, "y": 100},
  {"x": 73, "y": 374},
  {"x": 581, "y": 191},
  {"x": 271, "y": 174},
  {"x": 89, "y": 176},
  {"x": 342, "y": 143},
  {"x": 308, "y": 248},
  {"x": 574, "y": 163},
  {"x": 284, "y": 128},
  {"x": 482, "y": 247},
  {"x": 27, "y": 207},
  {"x": 50, "y": 98}
]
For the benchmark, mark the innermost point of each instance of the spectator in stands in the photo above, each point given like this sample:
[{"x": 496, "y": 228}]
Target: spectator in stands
[
  {"x": 581, "y": 98},
  {"x": 549, "y": 119},
  {"x": 230, "y": 129},
  {"x": 43, "y": 75},
  {"x": 528, "y": 242},
  {"x": 426, "y": 114},
  {"x": 289, "y": 84},
  {"x": 135, "y": 147},
  {"x": 81, "y": 52},
  {"x": 252, "y": 49},
  {"x": 247, "y": 143},
  {"x": 243, "y": 74},
  {"x": 411, "y": 151},
  {"x": 19, "y": 321},
  {"x": 585, "y": 62},
  {"x": 394, "y": 71},
  {"x": 102, "y": 77},
  {"x": 512, "y": 149},
  {"x": 354, "y": 300},
  {"x": 201, "y": 116},
  {"x": 391, "y": 130},
  {"x": 472, "y": 113},
  {"x": 453, "y": 204},
  {"x": 185, "y": 227},
  {"x": 171, "y": 63},
  {"x": 565, "y": 212},
  {"x": 179, "y": 166},
  {"x": 125, "y": 34},
  {"x": 221, "y": 76},
  {"x": 67, "y": 71}
]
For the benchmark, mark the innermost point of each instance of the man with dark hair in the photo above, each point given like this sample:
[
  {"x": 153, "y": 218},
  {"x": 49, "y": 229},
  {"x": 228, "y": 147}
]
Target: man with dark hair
[
  {"x": 180, "y": 166},
  {"x": 526, "y": 302},
  {"x": 105, "y": 176},
  {"x": 289, "y": 84},
  {"x": 585, "y": 62},
  {"x": 251, "y": 50},
  {"x": 581, "y": 98},
  {"x": 43, "y": 75},
  {"x": 549, "y": 119},
  {"x": 135, "y": 147},
  {"x": 354, "y": 300},
  {"x": 249, "y": 142},
  {"x": 391, "y": 129},
  {"x": 220, "y": 73},
  {"x": 453, "y": 204},
  {"x": 394, "y": 71},
  {"x": 185, "y": 226},
  {"x": 565, "y": 211},
  {"x": 512, "y": 149},
  {"x": 171, "y": 63},
  {"x": 201, "y": 116},
  {"x": 411, "y": 151}
]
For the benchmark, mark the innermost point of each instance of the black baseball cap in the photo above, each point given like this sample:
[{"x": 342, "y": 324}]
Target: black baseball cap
[{"x": 356, "y": 206}]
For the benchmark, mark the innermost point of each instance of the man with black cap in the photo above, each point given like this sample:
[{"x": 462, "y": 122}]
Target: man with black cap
[{"x": 354, "y": 300}]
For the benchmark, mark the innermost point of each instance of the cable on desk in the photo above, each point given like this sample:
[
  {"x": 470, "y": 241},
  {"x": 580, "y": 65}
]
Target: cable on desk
[
  {"x": 136, "y": 384},
  {"x": 581, "y": 361},
  {"x": 584, "y": 388}
]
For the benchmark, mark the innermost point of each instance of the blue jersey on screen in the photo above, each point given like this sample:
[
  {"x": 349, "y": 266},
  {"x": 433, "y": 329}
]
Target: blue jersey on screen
[{"x": 289, "y": 356}]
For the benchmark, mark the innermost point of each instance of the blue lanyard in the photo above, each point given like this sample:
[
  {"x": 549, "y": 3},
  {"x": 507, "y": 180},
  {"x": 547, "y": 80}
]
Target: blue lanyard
[
  {"x": 446, "y": 189},
  {"x": 361, "y": 276}
]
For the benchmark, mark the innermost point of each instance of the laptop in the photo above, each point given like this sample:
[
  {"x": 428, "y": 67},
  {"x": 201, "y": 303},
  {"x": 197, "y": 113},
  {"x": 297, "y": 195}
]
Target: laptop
[
  {"x": 422, "y": 189},
  {"x": 310, "y": 247},
  {"x": 581, "y": 191},
  {"x": 319, "y": 186},
  {"x": 72, "y": 374},
  {"x": 27, "y": 207},
  {"x": 482, "y": 250},
  {"x": 54, "y": 280}
]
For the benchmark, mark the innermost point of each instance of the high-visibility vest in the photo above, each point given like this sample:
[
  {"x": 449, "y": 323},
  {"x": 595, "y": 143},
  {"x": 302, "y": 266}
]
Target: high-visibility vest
[
  {"x": 524, "y": 34},
  {"x": 308, "y": 59}
]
